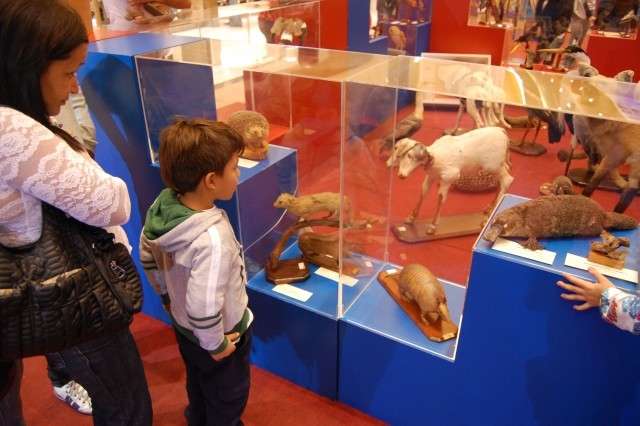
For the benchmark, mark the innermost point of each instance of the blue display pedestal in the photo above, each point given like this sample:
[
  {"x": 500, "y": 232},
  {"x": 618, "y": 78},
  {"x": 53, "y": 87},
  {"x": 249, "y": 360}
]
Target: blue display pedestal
[
  {"x": 358, "y": 30},
  {"x": 524, "y": 355},
  {"x": 299, "y": 340},
  {"x": 110, "y": 85}
]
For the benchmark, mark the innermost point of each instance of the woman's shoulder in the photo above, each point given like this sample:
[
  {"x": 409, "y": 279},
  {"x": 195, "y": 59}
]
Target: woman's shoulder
[{"x": 12, "y": 120}]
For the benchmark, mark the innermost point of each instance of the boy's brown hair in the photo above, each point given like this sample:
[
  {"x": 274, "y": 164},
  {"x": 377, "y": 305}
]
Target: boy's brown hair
[{"x": 191, "y": 148}]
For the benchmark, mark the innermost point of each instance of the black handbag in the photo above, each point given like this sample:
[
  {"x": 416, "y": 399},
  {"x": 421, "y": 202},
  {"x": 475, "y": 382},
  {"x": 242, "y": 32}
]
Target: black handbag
[{"x": 72, "y": 285}]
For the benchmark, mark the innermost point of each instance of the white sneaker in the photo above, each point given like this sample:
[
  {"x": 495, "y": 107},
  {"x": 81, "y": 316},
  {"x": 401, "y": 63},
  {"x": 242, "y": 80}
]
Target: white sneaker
[{"x": 75, "y": 396}]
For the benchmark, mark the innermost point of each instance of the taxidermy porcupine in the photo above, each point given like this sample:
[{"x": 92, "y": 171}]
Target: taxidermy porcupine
[{"x": 254, "y": 129}]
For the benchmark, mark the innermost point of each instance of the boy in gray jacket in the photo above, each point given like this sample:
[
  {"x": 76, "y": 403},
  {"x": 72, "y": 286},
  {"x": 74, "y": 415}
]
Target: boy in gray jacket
[{"x": 192, "y": 258}]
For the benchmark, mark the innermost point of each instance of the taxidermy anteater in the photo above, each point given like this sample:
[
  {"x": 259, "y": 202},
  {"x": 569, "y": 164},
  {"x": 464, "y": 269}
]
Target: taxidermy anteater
[
  {"x": 555, "y": 216},
  {"x": 417, "y": 283}
]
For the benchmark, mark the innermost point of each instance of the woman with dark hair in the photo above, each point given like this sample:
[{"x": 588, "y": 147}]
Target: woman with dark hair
[{"x": 42, "y": 45}]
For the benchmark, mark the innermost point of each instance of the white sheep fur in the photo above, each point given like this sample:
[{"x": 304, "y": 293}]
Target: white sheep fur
[{"x": 449, "y": 157}]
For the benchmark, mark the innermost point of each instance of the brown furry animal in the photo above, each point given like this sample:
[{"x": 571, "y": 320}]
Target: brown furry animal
[
  {"x": 618, "y": 143},
  {"x": 307, "y": 205},
  {"x": 417, "y": 283},
  {"x": 555, "y": 216}
]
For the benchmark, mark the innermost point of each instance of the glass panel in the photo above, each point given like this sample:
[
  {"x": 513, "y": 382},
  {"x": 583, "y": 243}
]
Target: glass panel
[
  {"x": 617, "y": 18},
  {"x": 335, "y": 118},
  {"x": 494, "y": 13}
]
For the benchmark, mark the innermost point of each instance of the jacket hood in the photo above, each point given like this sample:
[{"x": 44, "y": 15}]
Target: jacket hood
[{"x": 171, "y": 225}]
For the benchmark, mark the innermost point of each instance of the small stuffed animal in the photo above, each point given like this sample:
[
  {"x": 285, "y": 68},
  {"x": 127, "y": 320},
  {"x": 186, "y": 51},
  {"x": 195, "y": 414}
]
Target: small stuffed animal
[
  {"x": 254, "y": 129},
  {"x": 397, "y": 37},
  {"x": 306, "y": 205},
  {"x": 417, "y": 283}
]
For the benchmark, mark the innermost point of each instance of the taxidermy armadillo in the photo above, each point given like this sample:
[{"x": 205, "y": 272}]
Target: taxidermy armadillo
[
  {"x": 306, "y": 205},
  {"x": 417, "y": 283},
  {"x": 556, "y": 216}
]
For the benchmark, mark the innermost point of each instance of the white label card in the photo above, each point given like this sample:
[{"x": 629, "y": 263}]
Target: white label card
[
  {"x": 584, "y": 263},
  {"x": 247, "y": 164},
  {"x": 392, "y": 271},
  {"x": 334, "y": 276},
  {"x": 511, "y": 247},
  {"x": 293, "y": 292}
]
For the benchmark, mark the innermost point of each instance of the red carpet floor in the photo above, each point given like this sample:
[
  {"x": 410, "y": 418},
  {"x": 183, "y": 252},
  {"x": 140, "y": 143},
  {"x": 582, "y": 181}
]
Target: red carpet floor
[{"x": 273, "y": 401}]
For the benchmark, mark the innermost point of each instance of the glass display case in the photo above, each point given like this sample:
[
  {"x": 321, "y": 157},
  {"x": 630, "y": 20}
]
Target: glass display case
[
  {"x": 616, "y": 18},
  {"x": 296, "y": 23},
  {"x": 360, "y": 153},
  {"x": 495, "y": 13},
  {"x": 402, "y": 21}
]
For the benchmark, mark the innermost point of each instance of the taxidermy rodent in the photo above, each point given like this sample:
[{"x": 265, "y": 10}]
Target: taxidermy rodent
[{"x": 306, "y": 205}]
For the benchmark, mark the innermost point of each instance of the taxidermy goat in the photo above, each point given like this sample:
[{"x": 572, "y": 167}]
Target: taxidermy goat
[
  {"x": 417, "y": 283},
  {"x": 618, "y": 143},
  {"x": 306, "y": 206},
  {"x": 555, "y": 216},
  {"x": 449, "y": 157},
  {"x": 254, "y": 129}
]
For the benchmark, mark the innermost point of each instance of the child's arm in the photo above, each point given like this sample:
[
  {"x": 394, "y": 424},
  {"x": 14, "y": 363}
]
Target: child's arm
[
  {"x": 208, "y": 280},
  {"x": 151, "y": 270},
  {"x": 616, "y": 306}
]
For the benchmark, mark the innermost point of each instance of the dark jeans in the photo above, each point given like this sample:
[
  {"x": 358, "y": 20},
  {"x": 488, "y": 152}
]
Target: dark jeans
[
  {"x": 58, "y": 376},
  {"x": 10, "y": 403},
  {"x": 110, "y": 369},
  {"x": 218, "y": 390}
]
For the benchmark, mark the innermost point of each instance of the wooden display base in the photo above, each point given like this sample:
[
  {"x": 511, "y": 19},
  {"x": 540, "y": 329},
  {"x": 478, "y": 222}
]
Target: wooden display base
[
  {"x": 438, "y": 332},
  {"x": 600, "y": 258},
  {"x": 581, "y": 177},
  {"x": 455, "y": 132},
  {"x": 324, "y": 261},
  {"x": 531, "y": 149},
  {"x": 288, "y": 271},
  {"x": 449, "y": 227}
]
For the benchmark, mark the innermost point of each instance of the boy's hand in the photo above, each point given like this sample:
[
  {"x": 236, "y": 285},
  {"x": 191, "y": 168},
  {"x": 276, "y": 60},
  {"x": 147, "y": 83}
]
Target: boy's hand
[
  {"x": 585, "y": 291},
  {"x": 231, "y": 347}
]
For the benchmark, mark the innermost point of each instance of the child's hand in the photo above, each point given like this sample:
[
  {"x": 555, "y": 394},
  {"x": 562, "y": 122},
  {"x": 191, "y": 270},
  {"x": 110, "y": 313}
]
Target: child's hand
[
  {"x": 585, "y": 291},
  {"x": 231, "y": 347}
]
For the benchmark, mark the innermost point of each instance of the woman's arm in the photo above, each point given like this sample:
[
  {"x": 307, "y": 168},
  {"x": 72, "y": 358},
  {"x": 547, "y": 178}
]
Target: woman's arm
[{"x": 34, "y": 161}]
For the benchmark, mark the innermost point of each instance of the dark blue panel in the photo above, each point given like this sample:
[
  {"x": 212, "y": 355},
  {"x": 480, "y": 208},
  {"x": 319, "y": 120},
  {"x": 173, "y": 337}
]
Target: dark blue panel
[
  {"x": 110, "y": 86},
  {"x": 295, "y": 343},
  {"x": 524, "y": 357},
  {"x": 358, "y": 30},
  {"x": 171, "y": 89},
  {"x": 260, "y": 224},
  {"x": 138, "y": 44}
]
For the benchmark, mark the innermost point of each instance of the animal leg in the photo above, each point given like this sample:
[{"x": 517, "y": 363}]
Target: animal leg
[
  {"x": 472, "y": 109},
  {"x": 535, "y": 137},
  {"x": 458, "y": 117},
  {"x": 629, "y": 194},
  {"x": 491, "y": 112},
  {"x": 501, "y": 118},
  {"x": 617, "y": 179},
  {"x": 607, "y": 164},
  {"x": 442, "y": 197},
  {"x": 532, "y": 244},
  {"x": 484, "y": 113},
  {"x": 505, "y": 179},
  {"x": 425, "y": 188}
]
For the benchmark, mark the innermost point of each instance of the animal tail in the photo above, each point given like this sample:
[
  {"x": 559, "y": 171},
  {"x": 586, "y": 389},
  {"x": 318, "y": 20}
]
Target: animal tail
[{"x": 619, "y": 221}]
